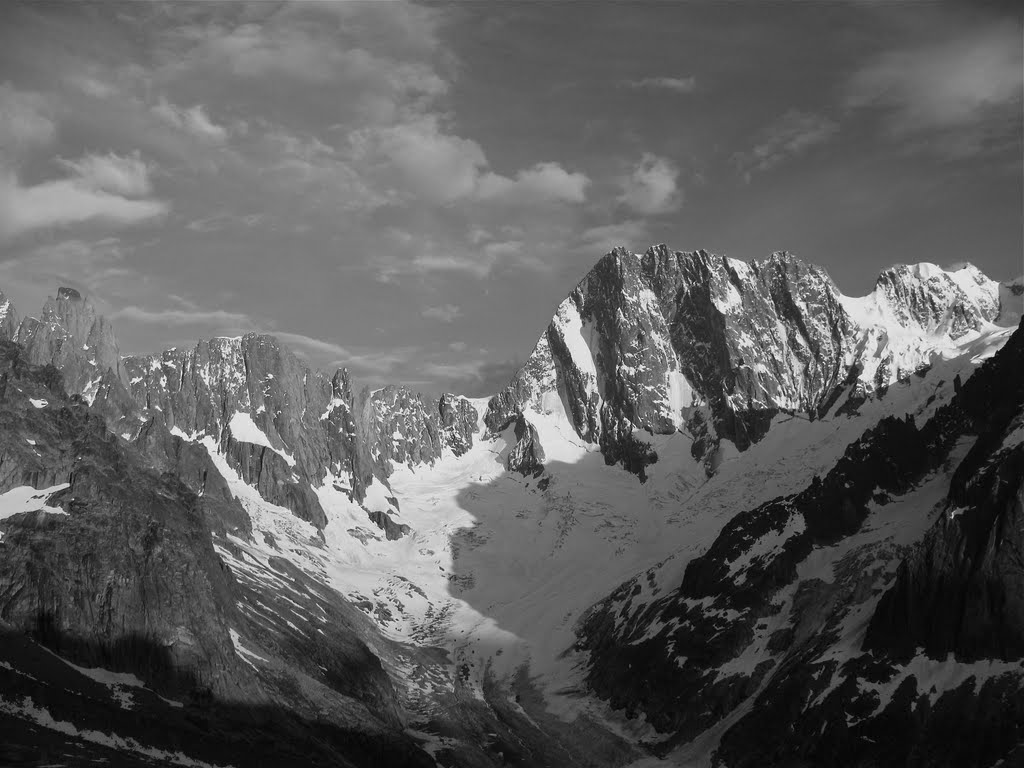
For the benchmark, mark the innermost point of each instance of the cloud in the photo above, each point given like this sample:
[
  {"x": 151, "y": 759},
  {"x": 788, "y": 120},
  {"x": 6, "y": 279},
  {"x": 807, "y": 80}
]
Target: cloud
[
  {"x": 676, "y": 84},
  {"x": 64, "y": 202},
  {"x": 651, "y": 188},
  {"x": 543, "y": 183},
  {"x": 474, "y": 378},
  {"x": 25, "y": 121},
  {"x": 254, "y": 50},
  {"x": 220, "y": 221},
  {"x": 402, "y": 252},
  {"x": 967, "y": 90},
  {"x": 370, "y": 360},
  {"x": 453, "y": 371},
  {"x": 128, "y": 176},
  {"x": 382, "y": 59},
  {"x": 788, "y": 136},
  {"x": 80, "y": 263},
  {"x": 311, "y": 344},
  {"x": 446, "y": 313},
  {"x": 501, "y": 249},
  {"x": 326, "y": 178},
  {"x": 428, "y": 261},
  {"x": 193, "y": 120},
  {"x": 631, "y": 234},
  {"x": 182, "y": 316},
  {"x": 421, "y": 160},
  {"x": 99, "y": 188}
]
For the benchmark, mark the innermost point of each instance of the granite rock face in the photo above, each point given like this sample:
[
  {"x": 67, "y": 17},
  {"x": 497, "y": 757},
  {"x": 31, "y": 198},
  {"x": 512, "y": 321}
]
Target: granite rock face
[
  {"x": 284, "y": 427},
  {"x": 818, "y": 635},
  {"x": 527, "y": 456},
  {"x": 400, "y": 428},
  {"x": 70, "y": 335},
  {"x": 458, "y": 419},
  {"x": 669, "y": 341},
  {"x": 116, "y": 562},
  {"x": 123, "y": 547},
  {"x": 8, "y": 319},
  {"x": 961, "y": 590}
]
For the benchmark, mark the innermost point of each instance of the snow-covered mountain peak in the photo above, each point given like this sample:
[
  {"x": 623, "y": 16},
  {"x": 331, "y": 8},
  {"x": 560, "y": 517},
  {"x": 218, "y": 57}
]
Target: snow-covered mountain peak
[
  {"x": 926, "y": 300},
  {"x": 279, "y": 535},
  {"x": 714, "y": 346}
]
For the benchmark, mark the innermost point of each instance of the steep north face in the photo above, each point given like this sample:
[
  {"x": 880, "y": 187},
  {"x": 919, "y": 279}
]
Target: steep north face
[{"x": 652, "y": 343}]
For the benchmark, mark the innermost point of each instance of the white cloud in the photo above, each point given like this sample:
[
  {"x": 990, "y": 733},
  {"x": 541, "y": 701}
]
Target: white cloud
[
  {"x": 128, "y": 176},
  {"x": 543, "y": 183},
  {"x": 651, "y": 189},
  {"x": 77, "y": 262},
  {"x": 403, "y": 253},
  {"x": 446, "y": 313},
  {"x": 222, "y": 220},
  {"x": 310, "y": 344},
  {"x": 92, "y": 86},
  {"x": 502, "y": 249},
  {"x": 677, "y": 84},
  {"x": 427, "y": 261},
  {"x": 182, "y": 316},
  {"x": 969, "y": 88},
  {"x": 64, "y": 202},
  {"x": 419, "y": 158},
  {"x": 380, "y": 58},
  {"x": 454, "y": 371},
  {"x": 24, "y": 121},
  {"x": 632, "y": 234},
  {"x": 252, "y": 50},
  {"x": 786, "y": 137},
  {"x": 323, "y": 177},
  {"x": 193, "y": 120}
]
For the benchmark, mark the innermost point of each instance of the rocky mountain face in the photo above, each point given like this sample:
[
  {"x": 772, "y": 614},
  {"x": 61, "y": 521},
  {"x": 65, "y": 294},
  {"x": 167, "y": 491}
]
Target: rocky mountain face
[
  {"x": 8, "y": 318},
  {"x": 717, "y": 347},
  {"x": 803, "y": 611},
  {"x": 286, "y": 428},
  {"x": 70, "y": 335},
  {"x": 112, "y": 565},
  {"x": 812, "y": 558}
]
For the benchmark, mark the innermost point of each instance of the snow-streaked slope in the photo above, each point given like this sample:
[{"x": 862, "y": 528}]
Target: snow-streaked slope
[
  {"x": 499, "y": 568},
  {"x": 27, "y": 499}
]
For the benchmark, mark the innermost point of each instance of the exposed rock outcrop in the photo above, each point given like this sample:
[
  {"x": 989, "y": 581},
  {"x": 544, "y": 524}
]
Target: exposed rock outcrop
[
  {"x": 961, "y": 590},
  {"x": 458, "y": 419},
  {"x": 718, "y": 347},
  {"x": 527, "y": 455},
  {"x": 753, "y": 621},
  {"x": 284, "y": 427},
  {"x": 8, "y": 319}
]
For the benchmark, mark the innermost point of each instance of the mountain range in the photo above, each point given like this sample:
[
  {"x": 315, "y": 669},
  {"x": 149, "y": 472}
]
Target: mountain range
[{"x": 723, "y": 515}]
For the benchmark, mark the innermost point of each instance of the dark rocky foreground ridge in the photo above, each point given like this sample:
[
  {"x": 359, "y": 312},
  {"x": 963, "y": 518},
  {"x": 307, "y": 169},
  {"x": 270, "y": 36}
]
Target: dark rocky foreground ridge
[
  {"x": 119, "y": 571},
  {"x": 836, "y": 664},
  {"x": 873, "y": 617}
]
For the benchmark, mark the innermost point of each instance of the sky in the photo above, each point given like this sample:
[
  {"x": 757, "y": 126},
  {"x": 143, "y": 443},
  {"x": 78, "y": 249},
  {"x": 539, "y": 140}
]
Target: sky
[{"x": 409, "y": 190}]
